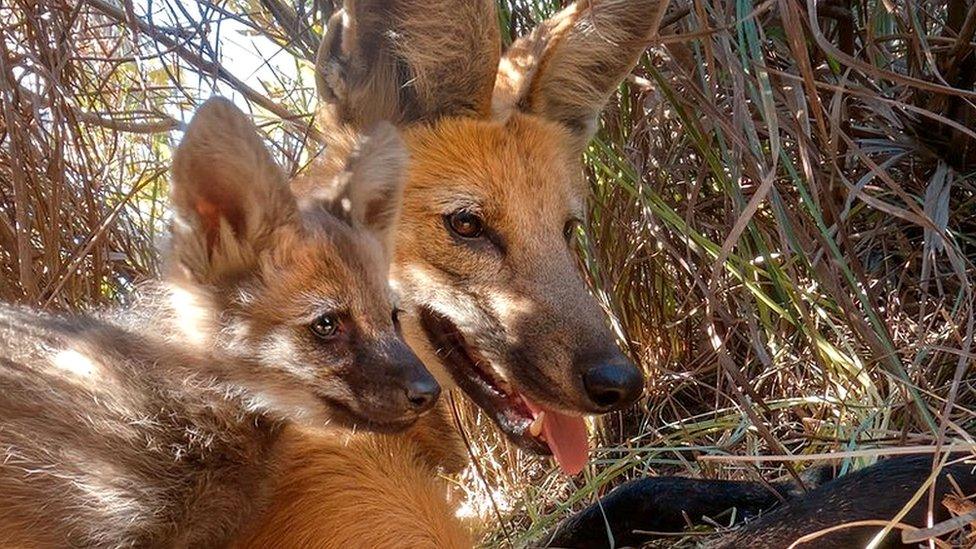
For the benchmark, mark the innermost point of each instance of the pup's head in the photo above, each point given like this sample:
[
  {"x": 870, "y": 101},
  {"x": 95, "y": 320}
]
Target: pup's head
[
  {"x": 495, "y": 195},
  {"x": 299, "y": 288}
]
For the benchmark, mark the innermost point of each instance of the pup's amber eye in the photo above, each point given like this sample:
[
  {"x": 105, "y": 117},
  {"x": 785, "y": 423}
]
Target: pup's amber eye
[
  {"x": 325, "y": 326},
  {"x": 466, "y": 224}
]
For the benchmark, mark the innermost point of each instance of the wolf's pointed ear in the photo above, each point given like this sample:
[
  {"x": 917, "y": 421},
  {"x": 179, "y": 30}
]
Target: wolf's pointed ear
[
  {"x": 359, "y": 179},
  {"x": 407, "y": 61},
  {"x": 566, "y": 69},
  {"x": 228, "y": 194}
]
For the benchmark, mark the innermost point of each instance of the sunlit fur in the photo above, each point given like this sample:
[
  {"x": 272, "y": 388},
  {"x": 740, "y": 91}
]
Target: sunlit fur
[
  {"x": 430, "y": 67},
  {"x": 332, "y": 490},
  {"x": 156, "y": 426},
  {"x": 567, "y": 67}
]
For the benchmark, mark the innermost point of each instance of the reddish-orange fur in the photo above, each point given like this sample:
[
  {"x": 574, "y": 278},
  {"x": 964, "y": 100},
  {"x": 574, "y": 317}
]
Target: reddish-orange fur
[{"x": 364, "y": 490}]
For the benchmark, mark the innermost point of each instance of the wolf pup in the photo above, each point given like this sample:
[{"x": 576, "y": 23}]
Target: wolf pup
[{"x": 156, "y": 426}]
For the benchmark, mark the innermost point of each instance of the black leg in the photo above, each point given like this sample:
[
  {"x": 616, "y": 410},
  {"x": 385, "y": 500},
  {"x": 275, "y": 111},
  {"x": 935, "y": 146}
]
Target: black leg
[
  {"x": 878, "y": 492},
  {"x": 781, "y": 514},
  {"x": 663, "y": 504}
]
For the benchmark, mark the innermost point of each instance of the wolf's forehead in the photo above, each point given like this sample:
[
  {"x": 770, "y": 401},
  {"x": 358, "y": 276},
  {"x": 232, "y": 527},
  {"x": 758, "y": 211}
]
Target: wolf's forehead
[
  {"x": 534, "y": 170},
  {"x": 508, "y": 183},
  {"x": 535, "y": 196}
]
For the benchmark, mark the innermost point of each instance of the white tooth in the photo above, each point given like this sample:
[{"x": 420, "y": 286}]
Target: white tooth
[{"x": 535, "y": 428}]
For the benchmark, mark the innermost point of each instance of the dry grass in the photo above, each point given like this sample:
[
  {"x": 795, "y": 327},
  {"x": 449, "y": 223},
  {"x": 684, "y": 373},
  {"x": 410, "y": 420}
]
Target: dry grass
[
  {"x": 91, "y": 95},
  {"x": 782, "y": 222}
]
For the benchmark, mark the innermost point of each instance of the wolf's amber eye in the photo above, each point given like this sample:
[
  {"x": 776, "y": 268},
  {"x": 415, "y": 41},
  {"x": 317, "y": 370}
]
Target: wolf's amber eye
[
  {"x": 466, "y": 224},
  {"x": 325, "y": 326}
]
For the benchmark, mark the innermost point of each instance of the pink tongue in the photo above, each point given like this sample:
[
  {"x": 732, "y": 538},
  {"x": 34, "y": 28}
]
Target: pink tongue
[{"x": 566, "y": 436}]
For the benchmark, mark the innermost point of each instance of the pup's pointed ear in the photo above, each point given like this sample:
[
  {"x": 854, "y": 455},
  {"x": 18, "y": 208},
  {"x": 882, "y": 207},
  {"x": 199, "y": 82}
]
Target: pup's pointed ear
[
  {"x": 376, "y": 176},
  {"x": 566, "y": 69},
  {"x": 228, "y": 194},
  {"x": 407, "y": 61},
  {"x": 359, "y": 179}
]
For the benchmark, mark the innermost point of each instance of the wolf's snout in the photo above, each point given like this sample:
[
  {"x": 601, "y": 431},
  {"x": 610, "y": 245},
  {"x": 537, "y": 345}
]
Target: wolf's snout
[{"x": 612, "y": 385}]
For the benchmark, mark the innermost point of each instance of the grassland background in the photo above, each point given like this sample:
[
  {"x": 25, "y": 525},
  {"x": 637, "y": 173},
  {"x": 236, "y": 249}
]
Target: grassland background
[{"x": 782, "y": 220}]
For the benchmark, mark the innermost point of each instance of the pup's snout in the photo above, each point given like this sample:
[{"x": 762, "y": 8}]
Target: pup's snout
[
  {"x": 422, "y": 393},
  {"x": 613, "y": 384},
  {"x": 420, "y": 389}
]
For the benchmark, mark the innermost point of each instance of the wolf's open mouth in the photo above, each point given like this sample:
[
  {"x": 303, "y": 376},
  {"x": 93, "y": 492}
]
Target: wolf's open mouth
[
  {"x": 527, "y": 423},
  {"x": 505, "y": 406}
]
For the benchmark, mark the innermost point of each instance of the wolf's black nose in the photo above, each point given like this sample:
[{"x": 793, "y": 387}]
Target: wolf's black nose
[
  {"x": 422, "y": 393},
  {"x": 613, "y": 385}
]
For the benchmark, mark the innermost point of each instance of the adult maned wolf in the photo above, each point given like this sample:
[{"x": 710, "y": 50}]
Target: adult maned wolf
[
  {"x": 156, "y": 426},
  {"x": 492, "y": 297}
]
